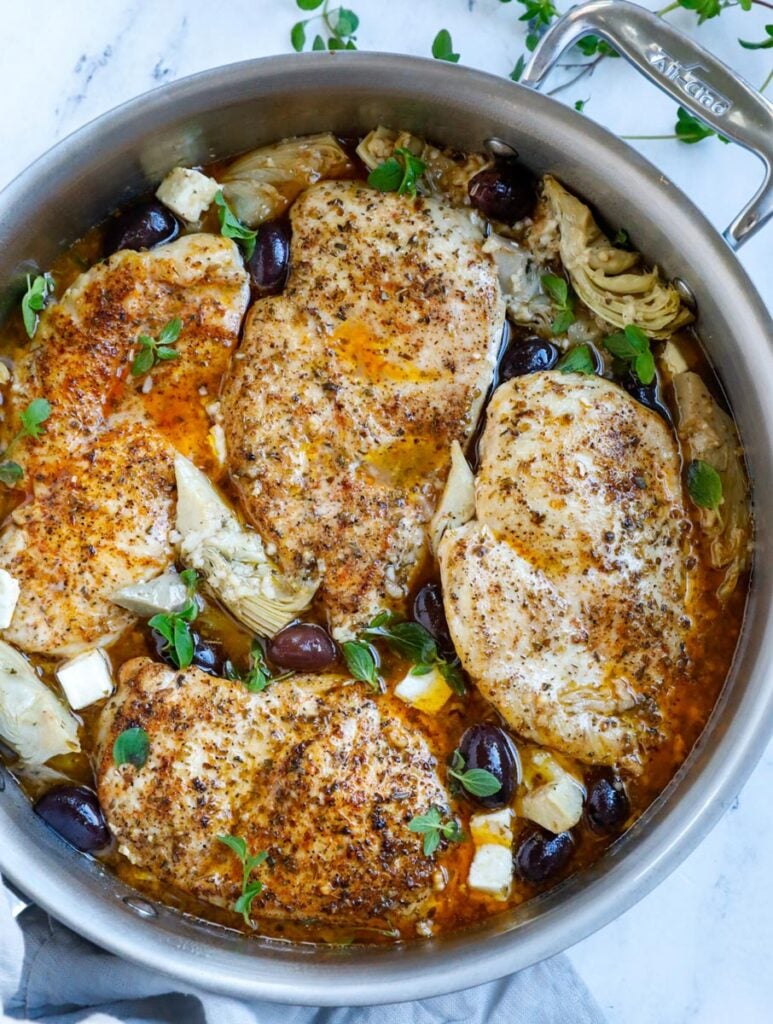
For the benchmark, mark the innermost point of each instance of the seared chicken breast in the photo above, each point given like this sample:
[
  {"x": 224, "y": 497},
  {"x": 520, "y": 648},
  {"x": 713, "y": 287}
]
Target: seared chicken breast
[
  {"x": 567, "y": 595},
  {"x": 348, "y": 388},
  {"x": 100, "y": 524},
  {"x": 314, "y": 771},
  {"x": 102, "y": 476}
]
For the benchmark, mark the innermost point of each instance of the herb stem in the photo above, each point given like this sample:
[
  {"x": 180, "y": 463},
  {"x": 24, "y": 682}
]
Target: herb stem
[
  {"x": 667, "y": 10},
  {"x": 587, "y": 69},
  {"x": 628, "y": 137},
  {"x": 767, "y": 82}
]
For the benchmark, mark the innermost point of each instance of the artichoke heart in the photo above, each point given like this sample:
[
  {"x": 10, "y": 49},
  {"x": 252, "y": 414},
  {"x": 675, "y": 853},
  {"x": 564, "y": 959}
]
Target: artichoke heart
[
  {"x": 33, "y": 722},
  {"x": 605, "y": 277},
  {"x": 232, "y": 558},
  {"x": 263, "y": 183},
  {"x": 446, "y": 172},
  {"x": 707, "y": 433},
  {"x": 457, "y": 503}
]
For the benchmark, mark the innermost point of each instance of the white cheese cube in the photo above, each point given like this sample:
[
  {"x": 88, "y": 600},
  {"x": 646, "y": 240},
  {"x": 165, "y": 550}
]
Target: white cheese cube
[
  {"x": 428, "y": 692},
  {"x": 494, "y": 827},
  {"x": 491, "y": 870},
  {"x": 672, "y": 360},
  {"x": 86, "y": 679},
  {"x": 557, "y": 806},
  {"x": 187, "y": 193},
  {"x": 9, "y": 595}
]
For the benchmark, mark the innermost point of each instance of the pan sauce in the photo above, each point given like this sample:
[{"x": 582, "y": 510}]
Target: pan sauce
[{"x": 186, "y": 424}]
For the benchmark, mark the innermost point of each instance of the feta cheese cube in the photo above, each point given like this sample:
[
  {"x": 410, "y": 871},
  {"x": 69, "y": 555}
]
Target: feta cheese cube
[
  {"x": 86, "y": 679},
  {"x": 557, "y": 806},
  {"x": 187, "y": 193},
  {"x": 217, "y": 443},
  {"x": 493, "y": 827},
  {"x": 9, "y": 595},
  {"x": 491, "y": 871},
  {"x": 428, "y": 692},
  {"x": 672, "y": 360}
]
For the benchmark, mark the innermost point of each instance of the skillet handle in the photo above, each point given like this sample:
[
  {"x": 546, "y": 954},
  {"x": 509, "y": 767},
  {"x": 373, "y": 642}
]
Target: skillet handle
[{"x": 688, "y": 73}]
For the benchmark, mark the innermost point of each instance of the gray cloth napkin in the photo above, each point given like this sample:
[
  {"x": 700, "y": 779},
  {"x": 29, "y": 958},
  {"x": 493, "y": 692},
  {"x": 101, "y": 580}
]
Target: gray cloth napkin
[{"x": 50, "y": 974}]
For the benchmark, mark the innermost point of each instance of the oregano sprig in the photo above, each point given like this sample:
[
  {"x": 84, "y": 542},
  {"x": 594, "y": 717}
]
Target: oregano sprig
[
  {"x": 563, "y": 299},
  {"x": 434, "y": 827},
  {"x": 337, "y": 27},
  {"x": 31, "y": 421},
  {"x": 34, "y": 300},
  {"x": 155, "y": 350},
  {"x": 175, "y": 627},
  {"x": 250, "y": 887}
]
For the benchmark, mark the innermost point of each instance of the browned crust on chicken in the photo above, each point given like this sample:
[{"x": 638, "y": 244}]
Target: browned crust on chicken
[
  {"x": 315, "y": 771},
  {"x": 349, "y": 388}
]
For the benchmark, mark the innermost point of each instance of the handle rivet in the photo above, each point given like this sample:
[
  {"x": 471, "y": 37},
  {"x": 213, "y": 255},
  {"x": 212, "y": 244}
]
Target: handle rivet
[
  {"x": 498, "y": 147},
  {"x": 686, "y": 293},
  {"x": 140, "y": 906}
]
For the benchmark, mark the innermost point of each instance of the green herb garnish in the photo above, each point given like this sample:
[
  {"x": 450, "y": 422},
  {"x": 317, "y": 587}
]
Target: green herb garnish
[
  {"x": 443, "y": 47},
  {"x": 434, "y": 828},
  {"x": 412, "y": 641},
  {"x": 766, "y": 44},
  {"x": 34, "y": 300},
  {"x": 704, "y": 485},
  {"x": 361, "y": 662},
  {"x": 250, "y": 889},
  {"x": 563, "y": 299},
  {"x": 477, "y": 781},
  {"x": 632, "y": 347},
  {"x": 175, "y": 627},
  {"x": 578, "y": 359},
  {"x": 232, "y": 227},
  {"x": 132, "y": 746},
  {"x": 690, "y": 130},
  {"x": 258, "y": 675},
  {"x": 338, "y": 24},
  {"x": 32, "y": 419},
  {"x": 154, "y": 350},
  {"x": 400, "y": 173}
]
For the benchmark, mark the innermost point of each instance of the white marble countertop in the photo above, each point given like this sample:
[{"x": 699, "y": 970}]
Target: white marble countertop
[{"x": 699, "y": 948}]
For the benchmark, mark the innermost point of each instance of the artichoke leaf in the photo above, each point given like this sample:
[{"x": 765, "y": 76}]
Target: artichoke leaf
[
  {"x": 707, "y": 433},
  {"x": 262, "y": 184},
  {"x": 163, "y": 595},
  {"x": 446, "y": 172},
  {"x": 604, "y": 276},
  {"x": 233, "y": 559},
  {"x": 457, "y": 503},
  {"x": 33, "y": 722}
]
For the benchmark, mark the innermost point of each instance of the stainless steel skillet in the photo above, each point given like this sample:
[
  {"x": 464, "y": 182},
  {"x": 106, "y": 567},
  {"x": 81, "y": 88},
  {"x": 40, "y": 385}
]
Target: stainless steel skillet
[{"x": 231, "y": 109}]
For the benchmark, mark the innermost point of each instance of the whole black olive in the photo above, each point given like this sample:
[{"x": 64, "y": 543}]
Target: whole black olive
[
  {"x": 647, "y": 394},
  {"x": 74, "y": 812},
  {"x": 543, "y": 855},
  {"x": 305, "y": 647},
  {"x": 607, "y": 806},
  {"x": 505, "y": 192},
  {"x": 528, "y": 356},
  {"x": 207, "y": 655},
  {"x": 269, "y": 265},
  {"x": 141, "y": 227},
  {"x": 429, "y": 612},
  {"x": 489, "y": 747}
]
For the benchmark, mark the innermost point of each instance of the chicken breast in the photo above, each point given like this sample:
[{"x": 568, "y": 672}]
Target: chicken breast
[
  {"x": 82, "y": 351},
  {"x": 102, "y": 523},
  {"x": 101, "y": 477},
  {"x": 567, "y": 596},
  {"x": 348, "y": 389},
  {"x": 313, "y": 770}
]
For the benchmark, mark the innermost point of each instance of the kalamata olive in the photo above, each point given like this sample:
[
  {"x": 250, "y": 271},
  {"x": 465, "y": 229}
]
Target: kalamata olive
[
  {"x": 489, "y": 747},
  {"x": 543, "y": 855},
  {"x": 269, "y": 265},
  {"x": 207, "y": 655},
  {"x": 141, "y": 227},
  {"x": 74, "y": 812},
  {"x": 607, "y": 806},
  {"x": 528, "y": 356},
  {"x": 505, "y": 192},
  {"x": 305, "y": 647},
  {"x": 429, "y": 612},
  {"x": 647, "y": 394}
]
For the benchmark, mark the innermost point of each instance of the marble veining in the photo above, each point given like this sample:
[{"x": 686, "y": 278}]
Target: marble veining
[{"x": 699, "y": 948}]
